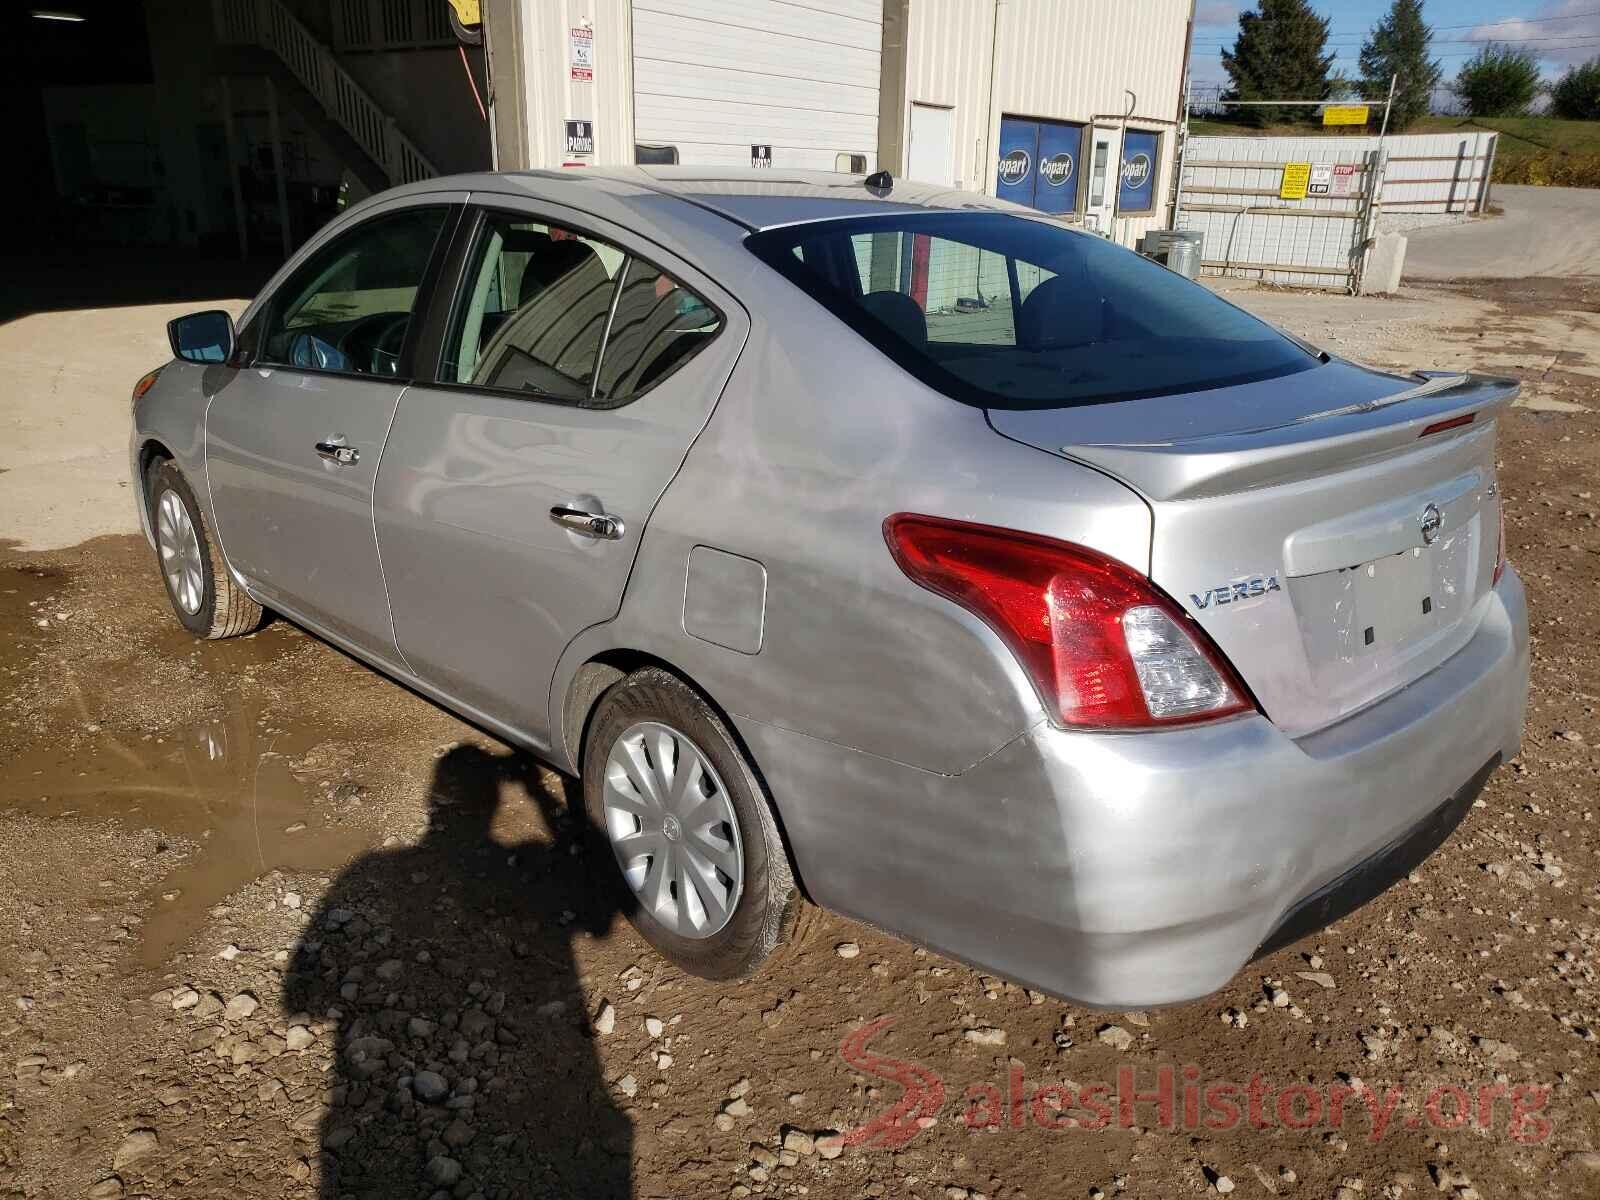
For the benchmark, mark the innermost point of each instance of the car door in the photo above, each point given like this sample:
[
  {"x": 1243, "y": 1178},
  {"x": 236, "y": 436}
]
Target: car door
[
  {"x": 293, "y": 439},
  {"x": 577, "y": 364}
]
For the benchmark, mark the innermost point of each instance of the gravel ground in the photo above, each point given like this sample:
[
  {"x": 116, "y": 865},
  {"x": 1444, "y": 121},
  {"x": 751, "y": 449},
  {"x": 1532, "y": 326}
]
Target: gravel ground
[{"x": 271, "y": 925}]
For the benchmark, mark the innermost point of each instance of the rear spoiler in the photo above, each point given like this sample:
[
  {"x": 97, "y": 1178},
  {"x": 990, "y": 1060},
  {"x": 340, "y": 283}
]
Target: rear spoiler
[{"x": 1220, "y": 463}]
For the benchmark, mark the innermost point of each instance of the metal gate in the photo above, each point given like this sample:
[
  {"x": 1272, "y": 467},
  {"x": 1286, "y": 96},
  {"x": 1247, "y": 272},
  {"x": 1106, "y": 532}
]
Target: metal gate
[
  {"x": 1232, "y": 191},
  {"x": 1250, "y": 229}
]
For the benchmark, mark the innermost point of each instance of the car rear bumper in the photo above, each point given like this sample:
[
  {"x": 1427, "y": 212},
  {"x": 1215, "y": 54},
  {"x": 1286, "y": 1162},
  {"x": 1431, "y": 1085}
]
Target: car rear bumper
[{"x": 1138, "y": 869}]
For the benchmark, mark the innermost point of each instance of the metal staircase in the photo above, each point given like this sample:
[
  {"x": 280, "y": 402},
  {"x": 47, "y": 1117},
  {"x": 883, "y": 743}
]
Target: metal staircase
[{"x": 270, "y": 25}]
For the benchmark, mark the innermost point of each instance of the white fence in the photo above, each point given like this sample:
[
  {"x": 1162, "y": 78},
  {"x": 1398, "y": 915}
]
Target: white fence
[
  {"x": 1435, "y": 177},
  {"x": 270, "y": 24},
  {"x": 1230, "y": 192}
]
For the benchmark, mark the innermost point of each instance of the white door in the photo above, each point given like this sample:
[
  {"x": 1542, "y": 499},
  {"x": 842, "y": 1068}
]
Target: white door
[
  {"x": 1100, "y": 191},
  {"x": 717, "y": 77},
  {"x": 931, "y": 157}
]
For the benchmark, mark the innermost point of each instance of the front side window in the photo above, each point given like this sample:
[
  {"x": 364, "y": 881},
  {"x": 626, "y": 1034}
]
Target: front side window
[
  {"x": 561, "y": 315},
  {"x": 1007, "y": 312},
  {"x": 349, "y": 306}
]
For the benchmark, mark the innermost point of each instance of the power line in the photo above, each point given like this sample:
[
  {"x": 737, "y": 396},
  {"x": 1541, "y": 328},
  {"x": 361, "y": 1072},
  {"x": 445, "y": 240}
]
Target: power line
[
  {"x": 1592, "y": 12},
  {"x": 1474, "y": 53},
  {"x": 1588, "y": 12},
  {"x": 1583, "y": 43},
  {"x": 1354, "y": 39},
  {"x": 1347, "y": 44}
]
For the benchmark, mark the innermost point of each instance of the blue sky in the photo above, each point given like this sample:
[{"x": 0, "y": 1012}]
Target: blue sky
[{"x": 1573, "y": 36}]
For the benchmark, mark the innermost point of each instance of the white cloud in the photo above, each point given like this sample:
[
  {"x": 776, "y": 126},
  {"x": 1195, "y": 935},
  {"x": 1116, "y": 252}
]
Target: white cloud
[{"x": 1559, "y": 43}]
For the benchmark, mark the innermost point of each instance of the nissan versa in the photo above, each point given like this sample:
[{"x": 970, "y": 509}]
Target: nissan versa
[{"x": 977, "y": 576}]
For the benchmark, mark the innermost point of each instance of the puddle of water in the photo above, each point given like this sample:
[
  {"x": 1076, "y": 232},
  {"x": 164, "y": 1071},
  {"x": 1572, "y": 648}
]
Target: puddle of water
[{"x": 225, "y": 786}]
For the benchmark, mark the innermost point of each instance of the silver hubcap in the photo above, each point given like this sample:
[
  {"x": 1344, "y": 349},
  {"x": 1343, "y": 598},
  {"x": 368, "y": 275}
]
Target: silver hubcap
[
  {"x": 673, "y": 830},
  {"x": 180, "y": 552}
]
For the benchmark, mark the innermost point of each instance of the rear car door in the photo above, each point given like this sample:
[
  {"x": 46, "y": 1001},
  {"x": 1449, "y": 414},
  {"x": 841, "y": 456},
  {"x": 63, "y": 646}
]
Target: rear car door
[
  {"x": 577, "y": 363},
  {"x": 294, "y": 437}
]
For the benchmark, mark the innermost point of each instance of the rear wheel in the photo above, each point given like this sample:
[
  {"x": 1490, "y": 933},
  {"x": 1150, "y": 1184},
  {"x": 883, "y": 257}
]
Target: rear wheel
[
  {"x": 700, "y": 867},
  {"x": 204, "y": 596}
]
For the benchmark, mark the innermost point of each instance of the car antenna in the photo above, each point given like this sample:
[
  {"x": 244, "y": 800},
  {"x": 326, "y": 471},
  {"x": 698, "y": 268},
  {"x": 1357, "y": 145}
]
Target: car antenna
[{"x": 880, "y": 183}]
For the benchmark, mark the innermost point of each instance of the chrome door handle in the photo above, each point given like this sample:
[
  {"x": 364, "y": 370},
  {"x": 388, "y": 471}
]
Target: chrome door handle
[
  {"x": 588, "y": 524},
  {"x": 336, "y": 452}
]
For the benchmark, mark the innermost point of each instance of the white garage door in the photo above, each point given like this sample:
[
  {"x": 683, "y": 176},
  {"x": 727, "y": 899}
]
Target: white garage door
[{"x": 715, "y": 77}]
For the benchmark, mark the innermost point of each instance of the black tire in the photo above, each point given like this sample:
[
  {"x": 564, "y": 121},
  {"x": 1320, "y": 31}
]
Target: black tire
[
  {"x": 769, "y": 899},
  {"x": 224, "y": 611}
]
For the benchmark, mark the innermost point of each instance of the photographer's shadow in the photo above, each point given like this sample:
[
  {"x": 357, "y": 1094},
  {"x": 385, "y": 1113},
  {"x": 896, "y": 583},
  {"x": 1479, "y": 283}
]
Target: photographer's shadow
[{"x": 464, "y": 1059}]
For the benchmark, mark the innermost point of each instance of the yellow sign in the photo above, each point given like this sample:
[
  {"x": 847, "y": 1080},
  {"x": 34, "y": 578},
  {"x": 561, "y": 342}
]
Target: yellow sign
[
  {"x": 1295, "y": 178},
  {"x": 467, "y": 12},
  {"x": 1344, "y": 114}
]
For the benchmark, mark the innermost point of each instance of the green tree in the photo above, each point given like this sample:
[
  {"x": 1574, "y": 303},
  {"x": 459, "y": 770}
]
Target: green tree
[
  {"x": 1499, "y": 81},
  {"x": 1576, "y": 95},
  {"x": 1280, "y": 54},
  {"x": 1398, "y": 47},
  {"x": 1341, "y": 88}
]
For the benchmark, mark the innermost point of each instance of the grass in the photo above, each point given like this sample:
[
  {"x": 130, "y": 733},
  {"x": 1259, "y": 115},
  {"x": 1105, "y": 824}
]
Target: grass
[
  {"x": 1538, "y": 150},
  {"x": 1541, "y": 150}
]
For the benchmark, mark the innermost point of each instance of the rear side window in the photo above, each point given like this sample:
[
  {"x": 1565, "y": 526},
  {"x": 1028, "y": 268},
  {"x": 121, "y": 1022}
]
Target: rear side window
[
  {"x": 659, "y": 324},
  {"x": 535, "y": 310},
  {"x": 554, "y": 313},
  {"x": 1009, "y": 312}
]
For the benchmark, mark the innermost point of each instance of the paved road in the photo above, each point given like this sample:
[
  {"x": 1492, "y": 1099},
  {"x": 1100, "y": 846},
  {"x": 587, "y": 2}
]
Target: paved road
[{"x": 1543, "y": 232}]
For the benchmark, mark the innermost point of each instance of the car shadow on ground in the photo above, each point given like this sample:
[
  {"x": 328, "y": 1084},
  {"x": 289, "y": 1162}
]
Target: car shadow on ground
[{"x": 448, "y": 972}]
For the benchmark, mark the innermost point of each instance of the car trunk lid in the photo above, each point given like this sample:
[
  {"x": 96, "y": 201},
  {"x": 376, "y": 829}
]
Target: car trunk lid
[{"x": 1333, "y": 531}]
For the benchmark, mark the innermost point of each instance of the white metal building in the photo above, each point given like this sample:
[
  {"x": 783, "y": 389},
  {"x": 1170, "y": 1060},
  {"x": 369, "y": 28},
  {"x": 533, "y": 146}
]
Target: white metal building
[{"x": 1070, "y": 106}]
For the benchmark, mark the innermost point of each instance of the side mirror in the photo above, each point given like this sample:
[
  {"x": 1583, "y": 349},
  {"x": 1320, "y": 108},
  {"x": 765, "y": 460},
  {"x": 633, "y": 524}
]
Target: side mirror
[{"x": 202, "y": 337}]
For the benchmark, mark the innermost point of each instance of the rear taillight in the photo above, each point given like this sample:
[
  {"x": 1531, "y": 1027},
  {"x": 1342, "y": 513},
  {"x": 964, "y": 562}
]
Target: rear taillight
[{"x": 1103, "y": 646}]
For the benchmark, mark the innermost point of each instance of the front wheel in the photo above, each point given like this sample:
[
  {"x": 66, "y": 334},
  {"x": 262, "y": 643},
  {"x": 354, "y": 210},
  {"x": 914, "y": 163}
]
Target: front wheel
[
  {"x": 700, "y": 867},
  {"x": 204, "y": 596}
]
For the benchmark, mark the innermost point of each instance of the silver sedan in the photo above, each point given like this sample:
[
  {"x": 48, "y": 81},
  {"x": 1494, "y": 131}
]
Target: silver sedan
[{"x": 961, "y": 571}]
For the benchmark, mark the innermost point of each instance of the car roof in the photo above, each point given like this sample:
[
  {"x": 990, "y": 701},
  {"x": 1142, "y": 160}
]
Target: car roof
[{"x": 750, "y": 198}]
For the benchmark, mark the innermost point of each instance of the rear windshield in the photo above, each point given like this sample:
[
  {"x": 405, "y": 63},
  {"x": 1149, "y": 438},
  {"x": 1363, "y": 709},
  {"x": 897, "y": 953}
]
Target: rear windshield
[{"x": 1010, "y": 312}]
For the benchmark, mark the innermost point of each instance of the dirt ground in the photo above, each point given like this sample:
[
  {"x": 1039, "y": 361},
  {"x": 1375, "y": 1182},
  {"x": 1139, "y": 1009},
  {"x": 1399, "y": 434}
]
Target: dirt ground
[
  {"x": 263, "y": 911},
  {"x": 75, "y": 333}
]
